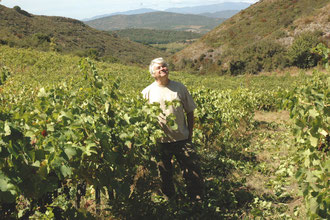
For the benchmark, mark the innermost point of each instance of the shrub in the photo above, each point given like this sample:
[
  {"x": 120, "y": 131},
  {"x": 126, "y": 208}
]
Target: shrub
[
  {"x": 236, "y": 67},
  {"x": 300, "y": 53},
  {"x": 264, "y": 55},
  {"x": 3, "y": 42},
  {"x": 201, "y": 58},
  {"x": 323, "y": 51},
  {"x": 41, "y": 37},
  {"x": 4, "y": 74},
  {"x": 19, "y": 10}
]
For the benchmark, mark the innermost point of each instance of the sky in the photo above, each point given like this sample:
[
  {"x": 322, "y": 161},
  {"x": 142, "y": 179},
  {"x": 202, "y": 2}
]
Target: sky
[{"x": 81, "y": 9}]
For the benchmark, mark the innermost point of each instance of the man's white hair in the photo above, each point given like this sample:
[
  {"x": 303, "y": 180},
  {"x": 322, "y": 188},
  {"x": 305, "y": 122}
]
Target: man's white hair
[{"x": 158, "y": 60}]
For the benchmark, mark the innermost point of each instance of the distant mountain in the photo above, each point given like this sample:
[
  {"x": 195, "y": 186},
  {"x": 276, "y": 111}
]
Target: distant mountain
[
  {"x": 210, "y": 8},
  {"x": 258, "y": 38},
  {"x": 66, "y": 35},
  {"x": 215, "y": 8},
  {"x": 157, "y": 20},
  {"x": 130, "y": 12},
  {"x": 221, "y": 14}
]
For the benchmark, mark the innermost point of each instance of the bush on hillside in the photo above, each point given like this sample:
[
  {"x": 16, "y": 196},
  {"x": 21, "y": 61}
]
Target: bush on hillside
[
  {"x": 236, "y": 67},
  {"x": 3, "y": 42},
  {"x": 263, "y": 56},
  {"x": 41, "y": 37},
  {"x": 92, "y": 53},
  {"x": 300, "y": 53},
  {"x": 19, "y": 10}
]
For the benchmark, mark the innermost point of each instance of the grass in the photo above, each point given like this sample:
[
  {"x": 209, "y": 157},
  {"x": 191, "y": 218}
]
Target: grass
[{"x": 272, "y": 179}]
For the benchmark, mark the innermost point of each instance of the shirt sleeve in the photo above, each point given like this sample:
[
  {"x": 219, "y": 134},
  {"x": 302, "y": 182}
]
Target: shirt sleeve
[
  {"x": 145, "y": 93},
  {"x": 188, "y": 102}
]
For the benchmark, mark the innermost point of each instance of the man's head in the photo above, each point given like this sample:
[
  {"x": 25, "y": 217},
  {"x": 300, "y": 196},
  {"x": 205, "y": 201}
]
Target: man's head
[{"x": 158, "y": 64}]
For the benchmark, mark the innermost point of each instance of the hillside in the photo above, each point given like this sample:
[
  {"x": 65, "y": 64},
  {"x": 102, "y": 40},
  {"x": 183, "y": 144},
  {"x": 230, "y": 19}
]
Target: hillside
[
  {"x": 21, "y": 29},
  {"x": 259, "y": 38},
  {"x": 157, "y": 20},
  {"x": 221, "y": 14}
]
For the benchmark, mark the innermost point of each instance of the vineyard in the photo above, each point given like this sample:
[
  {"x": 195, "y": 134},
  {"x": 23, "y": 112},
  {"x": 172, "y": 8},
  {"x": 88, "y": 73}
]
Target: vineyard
[{"x": 77, "y": 141}]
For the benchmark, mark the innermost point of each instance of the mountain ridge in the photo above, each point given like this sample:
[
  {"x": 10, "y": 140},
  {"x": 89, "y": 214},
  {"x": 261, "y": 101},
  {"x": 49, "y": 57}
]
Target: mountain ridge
[
  {"x": 210, "y": 8},
  {"x": 66, "y": 35},
  {"x": 157, "y": 20},
  {"x": 130, "y": 12},
  {"x": 265, "y": 25},
  {"x": 213, "y": 8}
]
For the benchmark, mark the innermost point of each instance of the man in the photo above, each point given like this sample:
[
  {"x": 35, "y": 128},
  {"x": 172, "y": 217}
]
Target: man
[{"x": 177, "y": 142}]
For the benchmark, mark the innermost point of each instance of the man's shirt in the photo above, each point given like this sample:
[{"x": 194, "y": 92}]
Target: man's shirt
[{"x": 171, "y": 92}]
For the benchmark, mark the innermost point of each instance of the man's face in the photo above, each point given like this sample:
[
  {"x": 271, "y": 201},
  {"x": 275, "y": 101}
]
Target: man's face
[{"x": 160, "y": 70}]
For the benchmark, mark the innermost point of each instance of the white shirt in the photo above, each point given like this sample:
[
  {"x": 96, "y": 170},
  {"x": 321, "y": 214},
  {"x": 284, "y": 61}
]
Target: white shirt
[{"x": 171, "y": 92}]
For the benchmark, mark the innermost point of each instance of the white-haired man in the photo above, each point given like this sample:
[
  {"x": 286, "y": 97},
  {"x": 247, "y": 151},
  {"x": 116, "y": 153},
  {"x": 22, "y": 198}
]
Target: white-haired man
[{"x": 176, "y": 142}]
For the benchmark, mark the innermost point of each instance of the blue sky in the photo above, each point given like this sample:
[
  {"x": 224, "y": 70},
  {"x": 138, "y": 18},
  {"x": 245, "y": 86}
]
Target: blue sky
[{"x": 80, "y": 9}]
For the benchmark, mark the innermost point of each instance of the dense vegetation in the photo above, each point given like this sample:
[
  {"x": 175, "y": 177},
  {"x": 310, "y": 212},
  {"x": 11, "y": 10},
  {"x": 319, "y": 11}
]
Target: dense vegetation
[
  {"x": 65, "y": 35},
  {"x": 263, "y": 37},
  {"x": 77, "y": 141},
  {"x": 158, "y": 21},
  {"x": 310, "y": 109},
  {"x": 148, "y": 36}
]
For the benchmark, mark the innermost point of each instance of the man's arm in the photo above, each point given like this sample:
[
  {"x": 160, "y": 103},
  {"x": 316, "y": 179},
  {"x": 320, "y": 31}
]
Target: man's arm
[{"x": 190, "y": 121}]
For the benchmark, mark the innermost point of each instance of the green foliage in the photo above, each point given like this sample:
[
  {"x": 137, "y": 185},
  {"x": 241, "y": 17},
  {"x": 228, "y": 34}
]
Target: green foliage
[
  {"x": 264, "y": 55},
  {"x": 147, "y": 36},
  {"x": 236, "y": 67},
  {"x": 309, "y": 107},
  {"x": 4, "y": 74},
  {"x": 261, "y": 56},
  {"x": 19, "y": 10},
  {"x": 323, "y": 51},
  {"x": 89, "y": 134},
  {"x": 300, "y": 53},
  {"x": 66, "y": 120},
  {"x": 171, "y": 48},
  {"x": 42, "y": 37}
]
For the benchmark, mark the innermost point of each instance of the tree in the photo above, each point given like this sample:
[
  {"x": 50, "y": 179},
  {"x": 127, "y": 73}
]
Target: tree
[{"x": 300, "y": 53}]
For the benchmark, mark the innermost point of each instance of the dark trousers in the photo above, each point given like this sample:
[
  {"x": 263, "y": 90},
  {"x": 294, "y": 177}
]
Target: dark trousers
[{"x": 188, "y": 161}]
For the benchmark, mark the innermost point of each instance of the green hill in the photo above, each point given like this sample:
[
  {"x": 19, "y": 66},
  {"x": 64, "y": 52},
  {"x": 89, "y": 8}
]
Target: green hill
[
  {"x": 157, "y": 20},
  {"x": 147, "y": 36},
  {"x": 269, "y": 34},
  {"x": 21, "y": 29}
]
